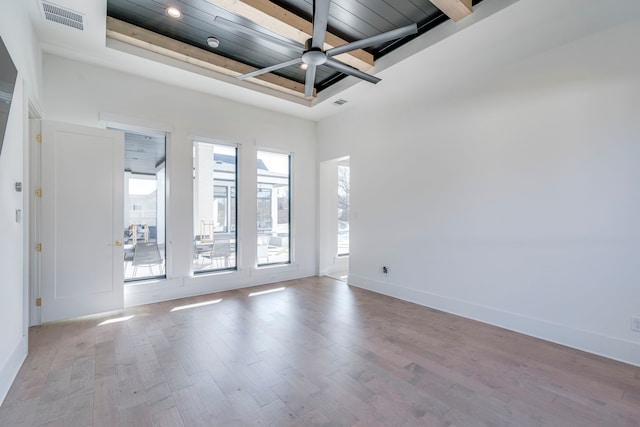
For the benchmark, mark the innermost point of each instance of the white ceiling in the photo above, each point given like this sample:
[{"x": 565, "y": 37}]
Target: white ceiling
[{"x": 456, "y": 55}]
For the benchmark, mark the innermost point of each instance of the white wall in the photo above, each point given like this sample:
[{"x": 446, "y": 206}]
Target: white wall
[
  {"x": 18, "y": 36},
  {"x": 13, "y": 335},
  {"x": 505, "y": 185},
  {"x": 78, "y": 93},
  {"x": 21, "y": 41}
]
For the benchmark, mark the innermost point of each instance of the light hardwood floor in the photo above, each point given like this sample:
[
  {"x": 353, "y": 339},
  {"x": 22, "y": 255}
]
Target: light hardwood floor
[{"x": 316, "y": 353}]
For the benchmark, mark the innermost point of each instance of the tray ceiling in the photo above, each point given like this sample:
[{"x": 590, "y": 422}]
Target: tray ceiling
[{"x": 146, "y": 24}]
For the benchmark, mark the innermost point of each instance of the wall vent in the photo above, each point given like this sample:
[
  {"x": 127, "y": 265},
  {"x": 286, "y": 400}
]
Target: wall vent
[
  {"x": 340, "y": 102},
  {"x": 60, "y": 15}
]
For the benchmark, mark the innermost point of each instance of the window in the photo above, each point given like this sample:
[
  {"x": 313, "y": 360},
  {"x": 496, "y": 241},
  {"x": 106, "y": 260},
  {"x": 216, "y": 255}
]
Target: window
[
  {"x": 214, "y": 207},
  {"x": 273, "y": 204},
  {"x": 343, "y": 209}
]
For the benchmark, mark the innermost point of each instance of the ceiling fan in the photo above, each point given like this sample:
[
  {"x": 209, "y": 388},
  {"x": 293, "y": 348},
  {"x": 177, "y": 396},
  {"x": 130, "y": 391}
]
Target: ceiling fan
[{"x": 312, "y": 54}]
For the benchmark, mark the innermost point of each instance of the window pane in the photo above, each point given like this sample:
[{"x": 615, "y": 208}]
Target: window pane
[
  {"x": 220, "y": 208},
  {"x": 273, "y": 208},
  {"x": 214, "y": 210},
  {"x": 343, "y": 210}
]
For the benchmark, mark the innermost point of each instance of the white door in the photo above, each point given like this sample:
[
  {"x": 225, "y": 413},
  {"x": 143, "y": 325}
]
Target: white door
[{"x": 82, "y": 220}]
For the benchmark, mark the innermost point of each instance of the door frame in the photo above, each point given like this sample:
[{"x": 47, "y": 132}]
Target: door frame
[
  {"x": 33, "y": 211},
  {"x": 125, "y": 123},
  {"x": 328, "y": 260}
]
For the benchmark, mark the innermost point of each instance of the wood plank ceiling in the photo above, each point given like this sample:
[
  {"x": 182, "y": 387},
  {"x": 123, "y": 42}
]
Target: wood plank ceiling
[{"x": 146, "y": 24}]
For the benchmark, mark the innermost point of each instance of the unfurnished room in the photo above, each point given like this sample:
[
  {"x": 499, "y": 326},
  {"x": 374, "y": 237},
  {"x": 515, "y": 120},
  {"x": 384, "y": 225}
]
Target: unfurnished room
[{"x": 320, "y": 213}]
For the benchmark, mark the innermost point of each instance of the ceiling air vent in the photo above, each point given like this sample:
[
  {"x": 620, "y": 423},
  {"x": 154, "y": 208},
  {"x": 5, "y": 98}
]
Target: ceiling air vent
[
  {"x": 60, "y": 15},
  {"x": 340, "y": 102}
]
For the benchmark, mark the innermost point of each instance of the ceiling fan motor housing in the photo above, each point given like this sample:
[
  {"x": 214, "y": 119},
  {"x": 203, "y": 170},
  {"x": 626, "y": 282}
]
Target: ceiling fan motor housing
[{"x": 314, "y": 56}]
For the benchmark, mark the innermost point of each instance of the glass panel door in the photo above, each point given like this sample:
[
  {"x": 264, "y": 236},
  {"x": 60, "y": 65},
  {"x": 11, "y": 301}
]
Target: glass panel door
[{"x": 144, "y": 206}]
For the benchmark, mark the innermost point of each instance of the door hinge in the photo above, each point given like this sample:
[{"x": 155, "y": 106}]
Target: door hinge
[
  {"x": 39, "y": 192},
  {"x": 39, "y": 137},
  {"x": 38, "y": 302},
  {"x": 38, "y": 247}
]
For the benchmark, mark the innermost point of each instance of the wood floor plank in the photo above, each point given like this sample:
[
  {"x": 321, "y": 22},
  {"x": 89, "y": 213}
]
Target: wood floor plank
[
  {"x": 79, "y": 410},
  {"x": 19, "y": 413},
  {"x": 105, "y": 401},
  {"x": 175, "y": 375},
  {"x": 135, "y": 416},
  {"x": 168, "y": 418},
  {"x": 192, "y": 409},
  {"x": 313, "y": 418},
  {"x": 159, "y": 398},
  {"x": 317, "y": 353},
  {"x": 214, "y": 400},
  {"x": 131, "y": 390}
]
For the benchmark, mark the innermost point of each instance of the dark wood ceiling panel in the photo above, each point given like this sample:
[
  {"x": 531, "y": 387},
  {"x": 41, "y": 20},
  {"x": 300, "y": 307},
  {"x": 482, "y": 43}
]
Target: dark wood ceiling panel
[
  {"x": 425, "y": 6},
  {"x": 197, "y": 24},
  {"x": 193, "y": 28},
  {"x": 354, "y": 20},
  {"x": 361, "y": 21},
  {"x": 349, "y": 19}
]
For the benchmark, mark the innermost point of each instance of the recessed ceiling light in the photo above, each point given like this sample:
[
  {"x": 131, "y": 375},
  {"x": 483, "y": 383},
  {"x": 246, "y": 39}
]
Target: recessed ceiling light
[
  {"x": 304, "y": 66},
  {"x": 213, "y": 42},
  {"x": 173, "y": 12}
]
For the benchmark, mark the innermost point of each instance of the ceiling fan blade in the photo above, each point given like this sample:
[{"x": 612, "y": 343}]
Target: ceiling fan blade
[
  {"x": 270, "y": 69},
  {"x": 374, "y": 40},
  {"x": 320, "y": 21},
  {"x": 235, "y": 27},
  {"x": 310, "y": 80},
  {"x": 346, "y": 69}
]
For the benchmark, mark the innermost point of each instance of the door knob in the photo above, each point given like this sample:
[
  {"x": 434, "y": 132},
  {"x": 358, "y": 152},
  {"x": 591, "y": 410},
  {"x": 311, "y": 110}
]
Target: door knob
[{"x": 118, "y": 243}]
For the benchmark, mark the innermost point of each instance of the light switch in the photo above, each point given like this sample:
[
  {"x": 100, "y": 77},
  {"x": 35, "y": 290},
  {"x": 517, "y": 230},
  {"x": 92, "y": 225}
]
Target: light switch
[{"x": 18, "y": 215}]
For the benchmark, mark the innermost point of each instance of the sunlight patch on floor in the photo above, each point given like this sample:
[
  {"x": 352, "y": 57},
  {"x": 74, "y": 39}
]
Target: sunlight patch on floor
[
  {"x": 197, "y": 304},
  {"x": 116, "y": 320},
  {"x": 254, "y": 294}
]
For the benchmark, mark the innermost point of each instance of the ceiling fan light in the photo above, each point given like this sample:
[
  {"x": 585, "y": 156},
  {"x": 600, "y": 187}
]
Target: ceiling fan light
[
  {"x": 173, "y": 12},
  {"x": 213, "y": 42}
]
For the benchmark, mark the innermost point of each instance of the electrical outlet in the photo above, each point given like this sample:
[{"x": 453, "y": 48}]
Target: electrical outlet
[{"x": 635, "y": 324}]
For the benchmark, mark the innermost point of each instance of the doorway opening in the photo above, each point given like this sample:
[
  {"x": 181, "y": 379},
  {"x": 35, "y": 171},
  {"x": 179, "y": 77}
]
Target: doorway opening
[
  {"x": 334, "y": 227},
  {"x": 144, "y": 206},
  {"x": 344, "y": 180}
]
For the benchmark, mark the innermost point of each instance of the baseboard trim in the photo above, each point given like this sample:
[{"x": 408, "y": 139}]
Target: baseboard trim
[
  {"x": 9, "y": 371},
  {"x": 602, "y": 345},
  {"x": 171, "y": 289}
]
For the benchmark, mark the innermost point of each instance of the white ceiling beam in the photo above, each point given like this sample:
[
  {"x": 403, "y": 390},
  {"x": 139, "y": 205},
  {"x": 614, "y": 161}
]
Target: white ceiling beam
[{"x": 154, "y": 42}]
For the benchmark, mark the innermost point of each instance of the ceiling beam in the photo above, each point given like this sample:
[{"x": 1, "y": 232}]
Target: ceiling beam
[
  {"x": 454, "y": 9},
  {"x": 281, "y": 21},
  {"x": 154, "y": 42}
]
